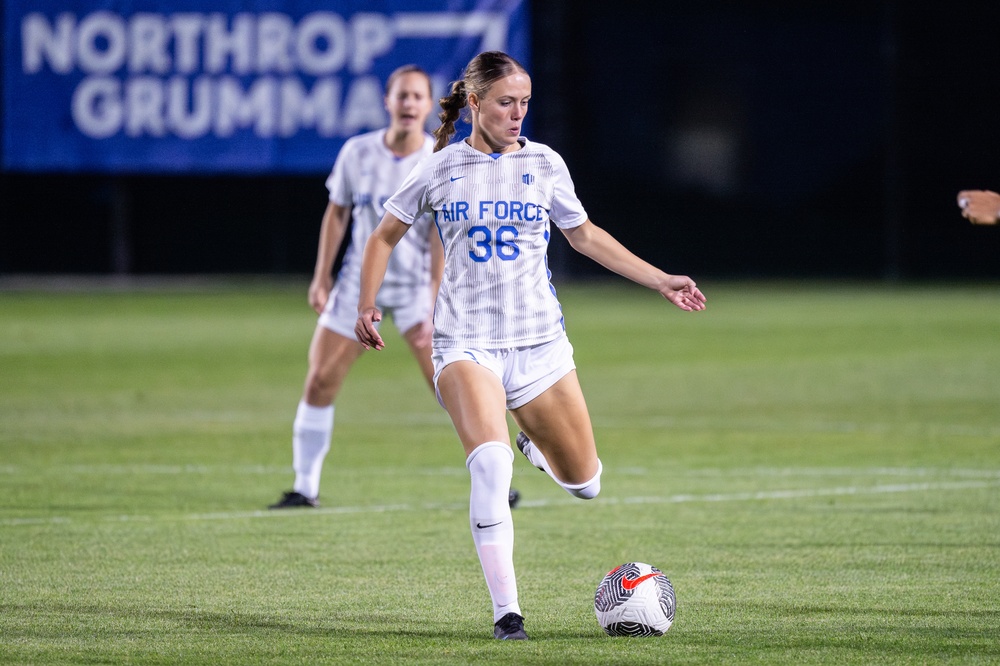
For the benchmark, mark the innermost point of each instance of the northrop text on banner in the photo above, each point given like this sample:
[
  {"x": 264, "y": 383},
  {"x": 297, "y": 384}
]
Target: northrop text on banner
[{"x": 222, "y": 86}]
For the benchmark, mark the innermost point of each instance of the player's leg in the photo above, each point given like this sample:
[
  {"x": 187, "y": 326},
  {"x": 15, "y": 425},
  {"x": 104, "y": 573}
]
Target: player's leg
[
  {"x": 332, "y": 352},
  {"x": 331, "y": 356},
  {"x": 419, "y": 342},
  {"x": 560, "y": 438},
  {"x": 412, "y": 317},
  {"x": 545, "y": 399},
  {"x": 476, "y": 402},
  {"x": 418, "y": 338}
]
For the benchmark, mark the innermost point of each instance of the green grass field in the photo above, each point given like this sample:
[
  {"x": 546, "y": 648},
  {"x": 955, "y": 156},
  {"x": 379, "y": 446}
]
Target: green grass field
[{"x": 816, "y": 467}]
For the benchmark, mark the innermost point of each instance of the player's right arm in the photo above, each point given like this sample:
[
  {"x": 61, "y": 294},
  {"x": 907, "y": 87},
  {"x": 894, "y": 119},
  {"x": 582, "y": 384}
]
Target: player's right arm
[
  {"x": 331, "y": 235},
  {"x": 373, "y": 265}
]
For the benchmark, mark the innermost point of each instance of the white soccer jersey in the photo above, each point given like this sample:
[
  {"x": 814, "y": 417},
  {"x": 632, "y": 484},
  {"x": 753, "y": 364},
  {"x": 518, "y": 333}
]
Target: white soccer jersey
[
  {"x": 364, "y": 175},
  {"x": 493, "y": 214}
]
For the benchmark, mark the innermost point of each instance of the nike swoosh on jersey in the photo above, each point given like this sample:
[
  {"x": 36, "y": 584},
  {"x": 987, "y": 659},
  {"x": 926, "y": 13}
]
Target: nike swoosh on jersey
[
  {"x": 632, "y": 583},
  {"x": 483, "y": 527},
  {"x": 454, "y": 178}
]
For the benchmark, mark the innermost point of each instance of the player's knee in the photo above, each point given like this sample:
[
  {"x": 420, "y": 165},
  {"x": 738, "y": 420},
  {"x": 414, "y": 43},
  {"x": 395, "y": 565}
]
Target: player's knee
[
  {"x": 491, "y": 466},
  {"x": 588, "y": 489},
  {"x": 321, "y": 388},
  {"x": 493, "y": 461}
]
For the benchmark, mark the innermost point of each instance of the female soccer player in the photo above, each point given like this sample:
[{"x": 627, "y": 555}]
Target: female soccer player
[
  {"x": 499, "y": 340},
  {"x": 368, "y": 169}
]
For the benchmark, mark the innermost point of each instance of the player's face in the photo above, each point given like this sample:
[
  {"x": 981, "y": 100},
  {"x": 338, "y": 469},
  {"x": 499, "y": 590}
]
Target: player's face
[
  {"x": 501, "y": 111},
  {"x": 408, "y": 102}
]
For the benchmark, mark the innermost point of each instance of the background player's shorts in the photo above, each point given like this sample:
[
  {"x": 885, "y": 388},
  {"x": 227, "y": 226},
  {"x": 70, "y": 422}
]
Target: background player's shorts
[
  {"x": 407, "y": 307},
  {"x": 525, "y": 372}
]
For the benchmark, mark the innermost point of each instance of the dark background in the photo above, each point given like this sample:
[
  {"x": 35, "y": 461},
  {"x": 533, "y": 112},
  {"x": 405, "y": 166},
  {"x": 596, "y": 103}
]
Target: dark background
[{"x": 760, "y": 138}]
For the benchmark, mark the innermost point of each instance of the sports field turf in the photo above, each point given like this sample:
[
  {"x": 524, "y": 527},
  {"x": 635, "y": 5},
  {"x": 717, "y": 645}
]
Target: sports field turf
[{"x": 816, "y": 467}]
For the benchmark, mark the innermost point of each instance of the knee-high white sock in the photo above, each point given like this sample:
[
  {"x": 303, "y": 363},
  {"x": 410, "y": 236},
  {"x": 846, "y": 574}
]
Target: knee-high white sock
[
  {"x": 491, "y": 466},
  {"x": 587, "y": 490},
  {"x": 311, "y": 434}
]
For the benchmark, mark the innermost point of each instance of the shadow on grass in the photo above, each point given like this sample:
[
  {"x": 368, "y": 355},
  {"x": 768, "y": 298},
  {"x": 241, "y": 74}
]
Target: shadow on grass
[
  {"x": 778, "y": 630},
  {"x": 55, "y": 619}
]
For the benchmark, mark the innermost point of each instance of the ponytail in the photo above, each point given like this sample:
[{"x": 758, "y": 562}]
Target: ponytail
[{"x": 451, "y": 109}]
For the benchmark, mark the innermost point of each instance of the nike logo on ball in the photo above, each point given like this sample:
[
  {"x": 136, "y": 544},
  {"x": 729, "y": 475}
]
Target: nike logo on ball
[
  {"x": 483, "y": 527},
  {"x": 632, "y": 583}
]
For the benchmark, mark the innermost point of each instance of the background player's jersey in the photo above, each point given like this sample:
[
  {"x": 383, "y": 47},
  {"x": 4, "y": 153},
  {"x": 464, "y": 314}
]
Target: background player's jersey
[
  {"x": 365, "y": 174},
  {"x": 493, "y": 214}
]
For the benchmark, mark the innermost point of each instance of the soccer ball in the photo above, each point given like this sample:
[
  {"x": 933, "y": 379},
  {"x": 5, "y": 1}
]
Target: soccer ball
[{"x": 635, "y": 599}]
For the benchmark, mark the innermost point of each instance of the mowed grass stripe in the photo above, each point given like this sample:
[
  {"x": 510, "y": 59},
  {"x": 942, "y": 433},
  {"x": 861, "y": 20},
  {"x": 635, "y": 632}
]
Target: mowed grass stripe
[{"x": 787, "y": 494}]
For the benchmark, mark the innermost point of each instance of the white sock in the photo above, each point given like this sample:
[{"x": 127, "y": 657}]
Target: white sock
[
  {"x": 311, "y": 434},
  {"x": 533, "y": 455},
  {"x": 586, "y": 490},
  {"x": 491, "y": 466}
]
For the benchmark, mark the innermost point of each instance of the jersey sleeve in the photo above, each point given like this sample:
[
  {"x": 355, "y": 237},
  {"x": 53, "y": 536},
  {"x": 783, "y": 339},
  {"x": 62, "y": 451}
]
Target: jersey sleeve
[
  {"x": 410, "y": 200},
  {"x": 338, "y": 183},
  {"x": 567, "y": 210}
]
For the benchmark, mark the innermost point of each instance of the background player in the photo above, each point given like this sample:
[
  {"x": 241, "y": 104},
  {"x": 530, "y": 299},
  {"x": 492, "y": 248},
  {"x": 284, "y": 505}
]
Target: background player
[
  {"x": 368, "y": 169},
  {"x": 499, "y": 339}
]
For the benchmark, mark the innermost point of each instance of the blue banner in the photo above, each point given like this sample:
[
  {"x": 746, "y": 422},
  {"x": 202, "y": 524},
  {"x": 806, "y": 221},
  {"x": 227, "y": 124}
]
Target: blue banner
[{"x": 217, "y": 86}]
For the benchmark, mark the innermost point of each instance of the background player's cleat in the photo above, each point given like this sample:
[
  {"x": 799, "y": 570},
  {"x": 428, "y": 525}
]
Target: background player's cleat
[
  {"x": 292, "y": 499},
  {"x": 510, "y": 628},
  {"x": 522, "y": 441},
  {"x": 513, "y": 497}
]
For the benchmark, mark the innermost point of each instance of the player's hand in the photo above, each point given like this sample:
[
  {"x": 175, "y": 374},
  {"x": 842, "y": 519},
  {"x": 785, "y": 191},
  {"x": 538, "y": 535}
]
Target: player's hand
[
  {"x": 319, "y": 292},
  {"x": 979, "y": 206},
  {"x": 683, "y": 292},
  {"x": 365, "y": 329}
]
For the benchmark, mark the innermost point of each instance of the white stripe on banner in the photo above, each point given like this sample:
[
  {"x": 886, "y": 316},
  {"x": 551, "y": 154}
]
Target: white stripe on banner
[{"x": 492, "y": 26}]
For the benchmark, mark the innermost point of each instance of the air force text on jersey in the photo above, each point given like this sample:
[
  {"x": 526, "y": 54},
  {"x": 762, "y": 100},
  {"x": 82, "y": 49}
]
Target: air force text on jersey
[
  {"x": 526, "y": 211},
  {"x": 501, "y": 241}
]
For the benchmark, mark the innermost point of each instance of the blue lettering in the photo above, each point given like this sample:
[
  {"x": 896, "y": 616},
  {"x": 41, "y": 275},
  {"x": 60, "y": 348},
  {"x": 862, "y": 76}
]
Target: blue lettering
[
  {"x": 455, "y": 211},
  {"x": 511, "y": 210}
]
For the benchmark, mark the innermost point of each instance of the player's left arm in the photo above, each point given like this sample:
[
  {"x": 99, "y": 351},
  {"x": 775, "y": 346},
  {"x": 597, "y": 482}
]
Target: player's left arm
[{"x": 592, "y": 241}]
